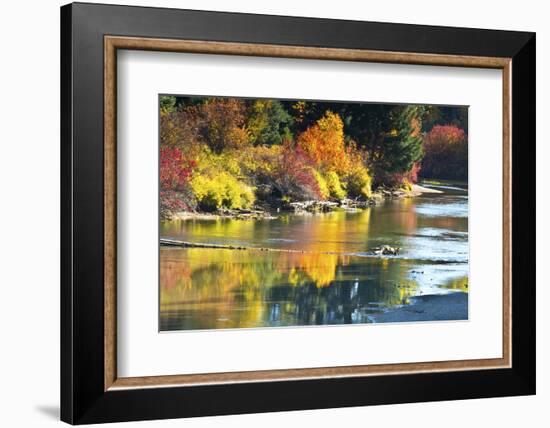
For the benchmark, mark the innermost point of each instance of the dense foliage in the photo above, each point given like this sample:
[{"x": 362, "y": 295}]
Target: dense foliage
[
  {"x": 232, "y": 153},
  {"x": 175, "y": 174},
  {"x": 446, "y": 155}
]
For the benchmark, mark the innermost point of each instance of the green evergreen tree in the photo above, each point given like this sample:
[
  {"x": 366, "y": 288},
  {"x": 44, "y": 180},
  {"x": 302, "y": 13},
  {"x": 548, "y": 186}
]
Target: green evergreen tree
[
  {"x": 167, "y": 103},
  {"x": 268, "y": 122},
  {"x": 391, "y": 134},
  {"x": 403, "y": 143}
]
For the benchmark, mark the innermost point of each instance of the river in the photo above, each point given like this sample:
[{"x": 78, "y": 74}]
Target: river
[{"x": 204, "y": 288}]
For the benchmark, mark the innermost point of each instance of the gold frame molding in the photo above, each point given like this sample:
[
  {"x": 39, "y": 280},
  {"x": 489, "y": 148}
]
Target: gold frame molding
[{"x": 113, "y": 43}]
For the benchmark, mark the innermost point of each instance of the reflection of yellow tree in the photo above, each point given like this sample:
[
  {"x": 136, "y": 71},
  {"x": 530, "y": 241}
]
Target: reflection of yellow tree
[
  {"x": 216, "y": 284},
  {"x": 459, "y": 284},
  {"x": 324, "y": 234},
  {"x": 321, "y": 268},
  {"x": 215, "y": 228},
  {"x": 318, "y": 235},
  {"x": 214, "y": 278}
]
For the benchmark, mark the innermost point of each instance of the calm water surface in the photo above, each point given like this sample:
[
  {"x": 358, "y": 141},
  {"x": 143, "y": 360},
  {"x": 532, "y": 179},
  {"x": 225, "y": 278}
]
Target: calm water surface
[{"x": 203, "y": 288}]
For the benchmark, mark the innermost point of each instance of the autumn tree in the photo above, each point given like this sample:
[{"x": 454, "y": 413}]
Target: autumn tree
[
  {"x": 446, "y": 153},
  {"x": 175, "y": 174},
  {"x": 294, "y": 175},
  {"x": 323, "y": 142},
  {"x": 175, "y": 168},
  {"x": 227, "y": 152},
  {"x": 444, "y": 115},
  {"x": 181, "y": 128},
  {"x": 223, "y": 123},
  {"x": 391, "y": 134},
  {"x": 357, "y": 178}
]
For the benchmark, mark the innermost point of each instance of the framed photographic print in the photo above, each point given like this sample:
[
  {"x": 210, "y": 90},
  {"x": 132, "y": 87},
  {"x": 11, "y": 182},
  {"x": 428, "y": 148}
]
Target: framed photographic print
[{"x": 265, "y": 213}]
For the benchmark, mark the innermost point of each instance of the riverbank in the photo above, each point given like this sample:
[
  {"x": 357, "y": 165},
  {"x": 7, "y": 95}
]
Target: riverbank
[
  {"x": 434, "y": 307},
  {"x": 313, "y": 206},
  {"x": 253, "y": 214},
  {"x": 418, "y": 190}
]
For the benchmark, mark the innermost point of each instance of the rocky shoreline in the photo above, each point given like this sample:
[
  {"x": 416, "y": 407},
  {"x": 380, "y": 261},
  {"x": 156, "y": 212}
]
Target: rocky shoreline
[{"x": 268, "y": 212}]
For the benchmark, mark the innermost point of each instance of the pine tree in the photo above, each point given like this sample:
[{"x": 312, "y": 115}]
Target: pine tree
[
  {"x": 403, "y": 142},
  {"x": 268, "y": 122},
  {"x": 390, "y": 134}
]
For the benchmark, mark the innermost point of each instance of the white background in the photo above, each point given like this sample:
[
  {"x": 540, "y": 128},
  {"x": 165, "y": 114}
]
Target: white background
[
  {"x": 29, "y": 173},
  {"x": 142, "y": 351}
]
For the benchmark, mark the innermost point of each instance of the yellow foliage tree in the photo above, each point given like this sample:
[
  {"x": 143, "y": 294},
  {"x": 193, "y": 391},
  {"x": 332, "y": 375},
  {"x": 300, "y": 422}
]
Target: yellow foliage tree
[{"x": 358, "y": 179}]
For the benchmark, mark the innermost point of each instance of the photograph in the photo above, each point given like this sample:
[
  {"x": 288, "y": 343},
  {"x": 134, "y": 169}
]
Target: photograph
[{"x": 293, "y": 212}]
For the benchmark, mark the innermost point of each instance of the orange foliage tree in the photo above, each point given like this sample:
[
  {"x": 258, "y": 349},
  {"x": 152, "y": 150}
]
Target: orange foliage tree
[
  {"x": 323, "y": 142},
  {"x": 223, "y": 126}
]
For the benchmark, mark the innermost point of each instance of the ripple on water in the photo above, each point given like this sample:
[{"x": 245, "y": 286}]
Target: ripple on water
[{"x": 459, "y": 208}]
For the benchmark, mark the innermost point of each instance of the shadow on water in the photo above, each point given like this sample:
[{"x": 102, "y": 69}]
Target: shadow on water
[{"x": 203, "y": 288}]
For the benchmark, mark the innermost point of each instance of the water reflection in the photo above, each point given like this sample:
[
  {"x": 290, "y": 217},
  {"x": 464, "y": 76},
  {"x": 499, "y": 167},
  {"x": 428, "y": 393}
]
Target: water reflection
[{"x": 214, "y": 288}]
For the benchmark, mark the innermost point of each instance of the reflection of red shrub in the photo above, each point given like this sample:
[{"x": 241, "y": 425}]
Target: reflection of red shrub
[
  {"x": 445, "y": 153},
  {"x": 294, "y": 175}
]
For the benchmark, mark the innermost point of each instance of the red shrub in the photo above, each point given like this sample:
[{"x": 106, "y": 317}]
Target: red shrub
[
  {"x": 399, "y": 179},
  {"x": 175, "y": 169},
  {"x": 445, "y": 153},
  {"x": 175, "y": 172},
  {"x": 294, "y": 175},
  {"x": 412, "y": 175}
]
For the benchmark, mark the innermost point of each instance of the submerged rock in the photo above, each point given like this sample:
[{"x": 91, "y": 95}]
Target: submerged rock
[
  {"x": 386, "y": 250},
  {"x": 245, "y": 214},
  {"x": 313, "y": 206},
  {"x": 347, "y": 203}
]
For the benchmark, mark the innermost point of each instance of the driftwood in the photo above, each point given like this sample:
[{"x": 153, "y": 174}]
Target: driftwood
[
  {"x": 186, "y": 244},
  {"x": 384, "y": 250}
]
